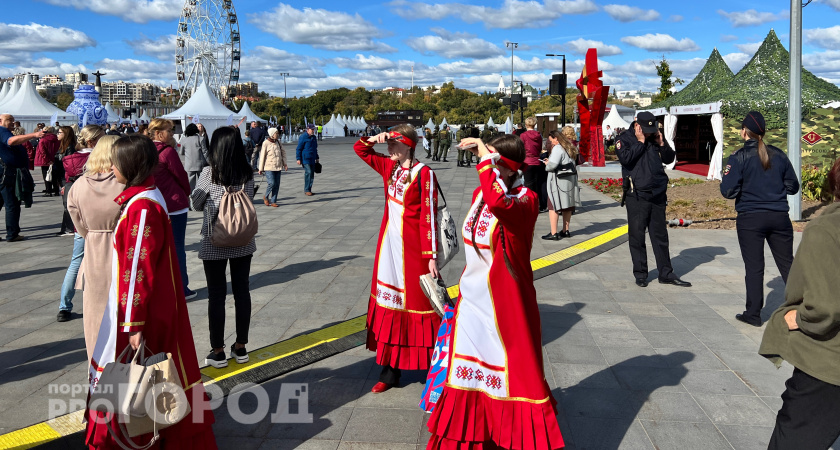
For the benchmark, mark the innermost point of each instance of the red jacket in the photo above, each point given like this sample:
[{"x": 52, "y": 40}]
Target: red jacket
[
  {"x": 74, "y": 164},
  {"x": 171, "y": 178},
  {"x": 533, "y": 146},
  {"x": 48, "y": 146}
]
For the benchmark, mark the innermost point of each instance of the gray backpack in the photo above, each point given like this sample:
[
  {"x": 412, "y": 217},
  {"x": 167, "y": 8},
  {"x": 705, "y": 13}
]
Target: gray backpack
[{"x": 236, "y": 223}]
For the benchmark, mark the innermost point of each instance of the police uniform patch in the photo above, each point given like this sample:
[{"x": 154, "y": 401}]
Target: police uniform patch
[
  {"x": 726, "y": 169},
  {"x": 618, "y": 145}
]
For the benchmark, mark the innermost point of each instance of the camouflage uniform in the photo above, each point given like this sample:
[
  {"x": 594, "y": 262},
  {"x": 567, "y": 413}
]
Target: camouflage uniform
[
  {"x": 436, "y": 135},
  {"x": 462, "y": 154},
  {"x": 445, "y": 142}
]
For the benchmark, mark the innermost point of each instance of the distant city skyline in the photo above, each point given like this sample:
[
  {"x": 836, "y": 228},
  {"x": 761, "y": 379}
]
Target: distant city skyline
[{"x": 377, "y": 44}]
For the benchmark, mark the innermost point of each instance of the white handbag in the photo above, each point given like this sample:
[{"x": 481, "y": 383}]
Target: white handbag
[
  {"x": 447, "y": 236},
  {"x": 122, "y": 387}
]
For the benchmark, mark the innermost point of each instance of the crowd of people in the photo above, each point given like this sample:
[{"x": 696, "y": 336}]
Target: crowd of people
[{"x": 127, "y": 198}]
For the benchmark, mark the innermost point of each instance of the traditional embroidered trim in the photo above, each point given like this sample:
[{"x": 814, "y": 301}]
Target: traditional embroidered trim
[
  {"x": 479, "y": 362},
  {"x": 428, "y": 253},
  {"x": 513, "y": 399},
  {"x": 485, "y": 168},
  {"x": 390, "y": 287},
  {"x": 131, "y": 324},
  {"x": 379, "y": 305}
]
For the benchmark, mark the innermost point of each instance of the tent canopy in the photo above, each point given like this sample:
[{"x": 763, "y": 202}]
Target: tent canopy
[
  {"x": 614, "y": 120},
  {"x": 430, "y": 124},
  {"x": 13, "y": 90},
  {"x": 332, "y": 128},
  {"x": 507, "y": 127},
  {"x": 113, "y": 117},
  {"x": 211, "y": 112},
  {"x": 490, "y": 122},
  {"x": 29, "y": 107},
  {"x": 4, "y": 90},
  {"x": 249, "y": 115}
]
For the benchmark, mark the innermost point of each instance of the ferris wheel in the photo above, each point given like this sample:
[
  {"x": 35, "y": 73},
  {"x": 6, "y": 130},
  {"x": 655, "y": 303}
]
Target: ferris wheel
[{"x": 207, "y": 47}]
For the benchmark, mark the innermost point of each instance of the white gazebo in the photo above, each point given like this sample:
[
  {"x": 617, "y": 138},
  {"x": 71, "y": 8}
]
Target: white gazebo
[
  {"x": 13, "y": 90},
  {"x": 249, "y": 115},
  {"x": 614, "y": 120},
  {"x": 430, "y": 124},
  {"x": 444, "y": 123},
  {"x": 145, "y": 117},
  {"x": 490, "y": 122},
  {"x": 507, "y": 127},
  {"x": 4, "y": 90},
  {"x": 332, "y": 128},
  {"x": 210, "y": 111},
  {"x": 29, "y": 108},
  {"x": 113, "y": 117}
]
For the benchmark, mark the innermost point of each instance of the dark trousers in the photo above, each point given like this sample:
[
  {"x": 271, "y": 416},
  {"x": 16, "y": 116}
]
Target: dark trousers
[
  {"x": 240, "y": 270},
  {"x": 644, "y": 215},
  {"x": 753, "y": 230},
  {"x": 810, "y": 416},
  {"x": 9, "y": 201},
  {"x": 390, "y": 375},
  {"x": 66, "y": 220},
  {"x": 52, "y": 187},
  {"x": 536, "y": 179}
]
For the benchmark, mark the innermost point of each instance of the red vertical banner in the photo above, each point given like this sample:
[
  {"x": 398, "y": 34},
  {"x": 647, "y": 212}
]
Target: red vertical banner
[{"x": 592, "y": 102}]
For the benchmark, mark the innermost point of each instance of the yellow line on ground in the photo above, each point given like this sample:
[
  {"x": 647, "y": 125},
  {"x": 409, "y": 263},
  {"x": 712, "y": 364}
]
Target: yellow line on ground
[{"x": 70, "y": 423}]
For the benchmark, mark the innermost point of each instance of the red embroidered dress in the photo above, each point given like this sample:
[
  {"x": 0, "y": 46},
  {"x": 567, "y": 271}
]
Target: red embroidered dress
[
  {"x": 146, "y": 295},
  {"x": 401, "y": 323},
  {"x": 496, "y": 395}
]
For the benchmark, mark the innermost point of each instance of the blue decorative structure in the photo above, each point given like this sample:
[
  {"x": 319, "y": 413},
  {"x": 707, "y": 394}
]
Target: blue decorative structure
[{"x": 87, "y": 107}]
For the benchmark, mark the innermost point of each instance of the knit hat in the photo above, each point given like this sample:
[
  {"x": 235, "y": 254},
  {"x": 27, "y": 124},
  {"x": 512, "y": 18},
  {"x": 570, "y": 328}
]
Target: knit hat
[
  {"x": 755, "y": 123},
  {"x": 272, "y": 132}
]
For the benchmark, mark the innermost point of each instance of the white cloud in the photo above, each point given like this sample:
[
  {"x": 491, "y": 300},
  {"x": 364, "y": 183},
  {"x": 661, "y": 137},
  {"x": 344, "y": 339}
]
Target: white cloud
[
  {"x": 42, "y": 38},
  {"x": 828, "y": 38},
  {"x": 832, "y": 3},
  {"x": 268, "y": 61},
  {"x": 736, "y": 61},
  {"x": 136, "y": 70},
  {"x": 162, "y": 47},
  {"x": 138, "y": 11},
  {"x": 749, "y": 48},
  {"x": 676, "y": 18},
  {"x": 329, "y": 30},
  {"x": 625, "y": 13},
  {"x": 728, "y": 38},
  {"x": 580, "y": 46},
  {"x": 751, "y": 17},
  {"x": 661, "y": 43},
  {"x": 42, "y": 66},
  {"x": 512, "y": 13},
  {"x": 362, "y": 62},
  {"x": 454, "y": 45}
]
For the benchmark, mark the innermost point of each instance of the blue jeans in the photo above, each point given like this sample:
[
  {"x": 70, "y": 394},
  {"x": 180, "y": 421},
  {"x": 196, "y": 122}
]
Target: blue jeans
[
  {"x": 272, "y": 179},
  {"x": 68, "y": 288},
  {"x": 308, "y": 176},
  {"x": 12, "y": 205},
  {"x": 179, "y": 234}
]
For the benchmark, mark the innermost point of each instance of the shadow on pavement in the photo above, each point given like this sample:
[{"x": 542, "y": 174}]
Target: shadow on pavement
[
  {"x": 600, "y": 417},
  {"x": 26, "y": 273},
  {"x": 595, "y": 205},
  {"x": 593, "y": 228},
  {"x": 284, "y": 274},
  {"x": 557, "y": 320},
  {"x": 692, "y": 258},
  {"x": 19, "y": 365},
  {"x": 774, "y": 299}
]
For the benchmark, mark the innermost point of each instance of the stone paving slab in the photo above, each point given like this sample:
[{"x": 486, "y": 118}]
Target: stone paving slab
[{"x": 661, "y": 367}]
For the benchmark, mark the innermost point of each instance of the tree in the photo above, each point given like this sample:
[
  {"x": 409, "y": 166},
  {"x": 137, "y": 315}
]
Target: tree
[
  {"x": 663, "y": 69},
  {"x": 64, "y": 100}
]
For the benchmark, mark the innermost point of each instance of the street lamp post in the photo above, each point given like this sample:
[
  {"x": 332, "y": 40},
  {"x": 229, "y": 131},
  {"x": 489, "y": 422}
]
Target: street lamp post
[
  {"x": 285, "y": 108},
  {"x": 511, "y": 46},
  {"x": 521, "y": 97},
  {"x": 563, "y": 120}
]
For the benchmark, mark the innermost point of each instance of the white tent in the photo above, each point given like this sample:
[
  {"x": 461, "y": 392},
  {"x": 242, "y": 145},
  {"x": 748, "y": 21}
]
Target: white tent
[
  {"x": 444, "y": 123},
  {"x": 490, "y": 122},
  {"x": 614, "y": 120},
  {"x": 332, "y": 128},
  {"x": 430, "y": 124},
  {"x": 716, "y": 158},
  {"x": 13, "y": 90},
  {"x": 4, "y": 90},
  {"x": 210, "y": 111},
  {"x": 113, "y": 117},
  {"x": 249, "y": 115},
  {"x": 507, "y": 127},
  {"x": 364, "y": 123},
  {"x": 830, "y": 105},
  {"x": 30, "y": 108},
  {"x": 145, "y": 117},
  {"x": 358, "y": 123}
]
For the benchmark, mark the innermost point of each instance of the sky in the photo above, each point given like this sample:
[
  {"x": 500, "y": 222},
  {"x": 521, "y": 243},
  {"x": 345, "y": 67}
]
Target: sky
[{"x": 374, "y": 44}]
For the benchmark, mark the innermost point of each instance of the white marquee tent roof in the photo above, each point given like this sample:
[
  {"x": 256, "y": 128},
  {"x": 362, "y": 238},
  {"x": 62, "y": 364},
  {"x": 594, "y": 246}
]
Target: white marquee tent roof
[
  {"x": 249, "y": 115},
  {"x": 614, "y": 120},
  {"x": 13, "y": 90},
  {"x": 210, "y": 111},
  {"x": 332, "y": 128},
  {"x": 4, "y": 90},
  {"x": 29, "y": 107},
  {"x": 113, "y": 117},
  {"x": 444, "y": 123},
  {"x": 145, "y": 117},
  {"x": 507, "y": 127},
  {"x": 490, "y": 122},
  {"x": 430, "y": 124}
]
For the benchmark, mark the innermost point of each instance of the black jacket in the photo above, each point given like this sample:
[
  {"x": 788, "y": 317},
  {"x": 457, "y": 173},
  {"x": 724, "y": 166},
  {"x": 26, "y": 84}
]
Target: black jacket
[
  {"x": 641, "y": 166},
  {"x": 755, "y": 189}
]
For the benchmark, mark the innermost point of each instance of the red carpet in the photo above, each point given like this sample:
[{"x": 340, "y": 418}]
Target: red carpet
[{"x": 697, "y": 168}]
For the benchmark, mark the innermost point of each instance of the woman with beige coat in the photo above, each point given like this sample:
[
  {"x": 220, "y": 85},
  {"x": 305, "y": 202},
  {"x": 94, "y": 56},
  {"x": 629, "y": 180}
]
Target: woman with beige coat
[
  {"x": 272, "y": 161},
  {"x": 95, "y": 213}
]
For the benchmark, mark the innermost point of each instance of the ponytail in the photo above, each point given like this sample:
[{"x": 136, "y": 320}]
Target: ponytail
[{"x": 763, "y": 154}]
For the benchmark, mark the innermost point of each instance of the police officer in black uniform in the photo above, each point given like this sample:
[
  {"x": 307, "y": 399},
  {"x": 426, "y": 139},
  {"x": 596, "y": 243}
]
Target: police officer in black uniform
[
  {"x": 642, "y": 151},
  {"x": 760, "y": 177}
]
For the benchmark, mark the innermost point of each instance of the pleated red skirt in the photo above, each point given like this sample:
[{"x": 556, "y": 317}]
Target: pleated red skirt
[{"x": 401, "y": 339}]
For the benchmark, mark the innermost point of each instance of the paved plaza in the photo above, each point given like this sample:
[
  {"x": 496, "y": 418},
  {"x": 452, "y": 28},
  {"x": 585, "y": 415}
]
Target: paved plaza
[{"x": 637, "y": 368}]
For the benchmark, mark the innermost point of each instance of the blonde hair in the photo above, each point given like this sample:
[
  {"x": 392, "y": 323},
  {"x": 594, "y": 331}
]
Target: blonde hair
[
  {"x": 570, "y": 148},
  {"x": 89, "y": 133},
  {"x": 100, "y": 160},
  {"x": 531, "y": 122},
  {"x": 18, "y": 131},
  {"x": 50, "y": 130},
  {"x": 569, "y": 132},
  {"x": 159, "y": 125}
]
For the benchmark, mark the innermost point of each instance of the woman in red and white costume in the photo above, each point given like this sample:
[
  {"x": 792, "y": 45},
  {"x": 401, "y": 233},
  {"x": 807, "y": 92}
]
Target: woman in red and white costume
[
  {"x": 496, "y": 395},
  {"x": 401, "y": 323}
]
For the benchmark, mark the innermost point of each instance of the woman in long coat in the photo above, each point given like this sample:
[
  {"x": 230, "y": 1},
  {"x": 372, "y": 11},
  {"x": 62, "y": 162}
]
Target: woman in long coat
[
  {"x": 94, "y": 213},
  {"x": 563, "y": 188},
  {"x": 496, "y": 395},
  {"x": 401, "y": 322}
]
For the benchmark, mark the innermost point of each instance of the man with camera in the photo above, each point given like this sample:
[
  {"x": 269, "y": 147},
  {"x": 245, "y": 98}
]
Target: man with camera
[{"x": 642, "y": 153}]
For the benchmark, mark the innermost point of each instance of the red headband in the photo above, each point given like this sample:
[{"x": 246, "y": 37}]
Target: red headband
[
  {"x": 401, "y": 138},
  {"x": 509, "y": 163}
]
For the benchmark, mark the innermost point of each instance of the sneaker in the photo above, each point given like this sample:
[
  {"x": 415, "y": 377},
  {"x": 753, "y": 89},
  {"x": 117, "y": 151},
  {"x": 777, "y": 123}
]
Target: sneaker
[
  {"x": 64, "y": 316},
  {"x": 239, "y": 354},
  {"x": 217, "y": 360},
  {"x": 18, "y": 238},
  {"x": 190, "y": 294},
  {"x": 64, "y": 233}
]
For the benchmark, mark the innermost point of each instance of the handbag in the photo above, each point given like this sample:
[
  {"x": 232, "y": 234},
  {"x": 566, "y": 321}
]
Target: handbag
[
  {"x": 122, "y": 387},
  {"x": 436, "y": 377},
  {"x": 317, "y": 167},
  {"x": 49, "y": 176},
  {"x": 435, "y": 290},
  {"x": 447, "y": 237}
]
